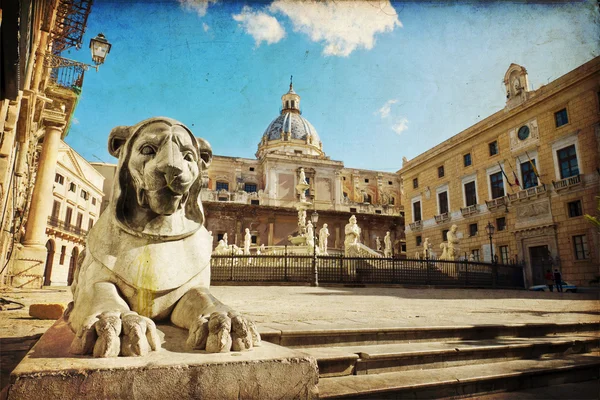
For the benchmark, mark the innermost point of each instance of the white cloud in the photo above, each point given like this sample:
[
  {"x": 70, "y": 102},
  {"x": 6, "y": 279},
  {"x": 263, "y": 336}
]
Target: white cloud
[
  {"x": 387, "y": 107},
  {"x": 75, "y": 121},
  {"x": 199, "y": 6},
  {"x": 205, "y": 27},
  {"x": 262, "y": 26},
  {"x": 343, "y": 26},
  {"x": 400, "y": 126}
]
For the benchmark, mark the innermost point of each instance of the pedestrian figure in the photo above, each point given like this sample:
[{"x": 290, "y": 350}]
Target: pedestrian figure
[
  {"x": 549, "y": 280},
  {"x": 558, "y": 280}
]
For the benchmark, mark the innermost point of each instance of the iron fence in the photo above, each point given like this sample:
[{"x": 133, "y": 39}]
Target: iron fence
[{"x": 360, "y": 270}]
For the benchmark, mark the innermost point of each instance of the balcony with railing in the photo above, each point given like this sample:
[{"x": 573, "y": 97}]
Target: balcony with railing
[
  {"x": 63, "y": 227},
  {"x": 497, "y": 203},
  {"x": 469, "y": 210},
  {"x": 441, "y": 218},
  {"x": 529, "y": 193},
  {"x": 417, "y": 225},
  {"x": 567, "y": 183}
]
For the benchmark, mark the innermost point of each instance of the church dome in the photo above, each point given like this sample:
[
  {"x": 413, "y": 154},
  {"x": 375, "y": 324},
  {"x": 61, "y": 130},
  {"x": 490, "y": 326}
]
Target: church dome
[
  {"x": 292, "y": 123},
  {"x": 290, "y": 132}
]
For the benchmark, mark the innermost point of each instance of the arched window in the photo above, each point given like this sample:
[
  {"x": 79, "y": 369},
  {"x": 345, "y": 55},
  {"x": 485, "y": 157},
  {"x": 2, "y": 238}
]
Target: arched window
[
  {"x": 366, "y": 198},
  {"x": 392, "y": 200}
]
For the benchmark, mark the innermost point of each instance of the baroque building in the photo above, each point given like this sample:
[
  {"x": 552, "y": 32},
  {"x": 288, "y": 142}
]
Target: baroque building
[
  {"x": 38, "y": 94},
  {"x": 531, "y": 170},
  {"x": 259, "y": 194},
  {"x": 76, "y": 205}
]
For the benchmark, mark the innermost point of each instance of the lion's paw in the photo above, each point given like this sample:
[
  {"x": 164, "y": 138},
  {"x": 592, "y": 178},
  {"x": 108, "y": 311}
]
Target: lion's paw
[
  {"x": 222, "y": 332},
  {"x": 111, "y": 334}
]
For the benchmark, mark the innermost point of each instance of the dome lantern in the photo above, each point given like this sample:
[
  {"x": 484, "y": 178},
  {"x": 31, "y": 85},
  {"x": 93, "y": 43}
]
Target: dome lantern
[{"x": 290, "y": 102}]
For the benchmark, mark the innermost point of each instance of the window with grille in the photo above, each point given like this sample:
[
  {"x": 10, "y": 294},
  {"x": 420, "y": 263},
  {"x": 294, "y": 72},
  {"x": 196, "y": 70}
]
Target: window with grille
[
  {"x": 473, "y": 229},
  {"x": 504, "y": 257},
  {"x": 501, "y": 223},
  {"x": 497, "y": 185},
  {"x": 415, "y": 183},
  {"x": 575, "y": 208},
  {"x": 467, "y": 159},
  {"x": 470, "y": 194},
  {"x": 493, "y": 148},
  {"x": 580, "y": 247},
  {"x": 441, "y": 171},
  {"x": 418, "y": 240},
  {"x": 475, "y": 253},
  {"x": 223, "y": 185},
  {"x": 417, "y": 211},
  {"x": 528, "y": 174},
  {"x": 250, "y": 187},
  {"x": 567, "y": 162},
  {"x": 443, "y": 200},
  {"x": 561, "y": 118}
]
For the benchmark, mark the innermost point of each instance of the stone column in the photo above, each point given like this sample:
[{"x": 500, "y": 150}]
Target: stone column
[
  {"x": 30, "y": 258},
  {"x": 41, "y": 198},
  {"x": 270, "y": 237}
]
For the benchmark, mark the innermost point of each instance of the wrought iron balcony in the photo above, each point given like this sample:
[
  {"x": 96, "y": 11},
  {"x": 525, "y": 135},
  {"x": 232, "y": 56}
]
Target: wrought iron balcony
[
  {"x": 441, "y": 218},
  {"x": 62, "y": 226},
  {"x": 528, "y": 193},
  {"x": 567, "y": 183},
  {"x": 470, "y": 210}
]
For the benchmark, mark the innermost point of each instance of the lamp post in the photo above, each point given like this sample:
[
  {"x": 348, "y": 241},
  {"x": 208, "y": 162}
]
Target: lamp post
[
  {"x": 315, "y": 218},
  {"x": 99, "y": 47},
  {"x": 490, "y": 231}
]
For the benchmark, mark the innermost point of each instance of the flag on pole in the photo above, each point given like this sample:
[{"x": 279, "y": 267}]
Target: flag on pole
[
  {"x": 504, "y": 173},
  {"x": 515, "y": 174},
  {"x": 535, "y": 171}
]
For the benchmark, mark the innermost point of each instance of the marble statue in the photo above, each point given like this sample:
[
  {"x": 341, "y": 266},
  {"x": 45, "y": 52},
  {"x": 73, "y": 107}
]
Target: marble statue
[
  {"x": 148, "y": 256},
  {"x": 452, "y": 248},
  {"x": 352, "y": 232},
  {"x": 427, "y": 249},
  {"x": 225, "y": 239},
  {"x": 247, "y": 241},
  {"x": 378, "y": 243},
  {"x": 310, "y": 235},
  {"x": 302, "y": 219},
  {"x": 387, "y": 245},
  {"x": 302, "y": 178},
  {"x": 323, "y": 235}
]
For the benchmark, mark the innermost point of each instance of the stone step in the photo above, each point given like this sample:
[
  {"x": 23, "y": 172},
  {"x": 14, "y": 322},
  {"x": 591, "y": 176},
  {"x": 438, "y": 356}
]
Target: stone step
[
  {"x": 327, "y": 336},
  {"x": 464, "y": 380},
  {"x": 373, "y": 359}
]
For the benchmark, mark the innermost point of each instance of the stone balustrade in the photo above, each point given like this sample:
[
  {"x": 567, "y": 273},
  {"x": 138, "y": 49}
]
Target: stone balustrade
[{"x": 567, "y": 183}]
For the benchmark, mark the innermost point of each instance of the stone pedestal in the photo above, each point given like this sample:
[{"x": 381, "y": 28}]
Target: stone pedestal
[
  {"x": 28, "y": 265},
  {"x": 49, "y": 371}
]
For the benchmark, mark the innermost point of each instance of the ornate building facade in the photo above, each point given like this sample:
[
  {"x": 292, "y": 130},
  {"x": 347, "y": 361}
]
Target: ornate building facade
[
  {"x": 38, "y": 96},
  {"x": 531, "y": 170},
  {"x": 259, "y": 194}
]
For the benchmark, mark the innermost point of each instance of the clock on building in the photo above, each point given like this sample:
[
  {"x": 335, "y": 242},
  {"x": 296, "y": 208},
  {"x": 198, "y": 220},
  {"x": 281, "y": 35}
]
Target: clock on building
[{"x": 523, "y": 132}]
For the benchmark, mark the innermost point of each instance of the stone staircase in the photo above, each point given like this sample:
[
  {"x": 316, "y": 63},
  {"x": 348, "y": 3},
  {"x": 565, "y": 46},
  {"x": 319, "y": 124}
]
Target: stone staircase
[{"x": 438, "y": 362}]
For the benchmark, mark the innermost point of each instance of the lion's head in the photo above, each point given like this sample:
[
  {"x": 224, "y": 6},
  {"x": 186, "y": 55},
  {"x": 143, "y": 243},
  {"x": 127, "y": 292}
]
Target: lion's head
[{"x": 159, "y": 177}]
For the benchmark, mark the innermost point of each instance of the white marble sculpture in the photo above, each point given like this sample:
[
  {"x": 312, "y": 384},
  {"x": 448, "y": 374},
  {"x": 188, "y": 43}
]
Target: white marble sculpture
[
  {"x": 247, "y": 241},
  {"x": 323, "y": 235},
  {"x": 301, "y": 220},
  {"x": 148, "y": 256},
  {"x": 351, "y": 241},
  {"x": 378, "y": 243},
  {"x": 387, "y": 245},
  {"x": 302, "y": 177},
  {"x": 427, "y": 249},
  {"x": 452, "y": 248},
  {"x": 310, "y": 236},
  {"x": 225, "y": 239}
]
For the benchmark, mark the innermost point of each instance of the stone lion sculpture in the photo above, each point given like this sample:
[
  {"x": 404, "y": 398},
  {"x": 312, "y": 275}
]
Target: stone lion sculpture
[{"x": 148, "y": 256}]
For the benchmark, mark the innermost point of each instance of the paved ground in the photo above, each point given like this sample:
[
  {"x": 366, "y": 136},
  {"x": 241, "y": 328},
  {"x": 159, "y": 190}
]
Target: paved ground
[{"x": 313, "y": 308}]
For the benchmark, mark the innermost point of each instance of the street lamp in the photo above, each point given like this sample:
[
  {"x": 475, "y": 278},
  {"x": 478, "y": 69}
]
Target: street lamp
[
  {"x": 315, "y": 218},
  {"x": 100, "y": 48},
  {"x": 490, "y": 231}
]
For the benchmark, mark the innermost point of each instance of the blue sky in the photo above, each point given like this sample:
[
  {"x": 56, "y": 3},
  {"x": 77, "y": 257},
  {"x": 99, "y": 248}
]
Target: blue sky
[{"x": 379, "y": 81}]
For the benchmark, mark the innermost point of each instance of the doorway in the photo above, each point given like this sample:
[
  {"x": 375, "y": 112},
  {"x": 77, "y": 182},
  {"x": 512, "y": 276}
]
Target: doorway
[
  {"x": 49, "y": 262},
  {"x": 72, "y": 265},
  {"x": 540, "y": 262}
]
